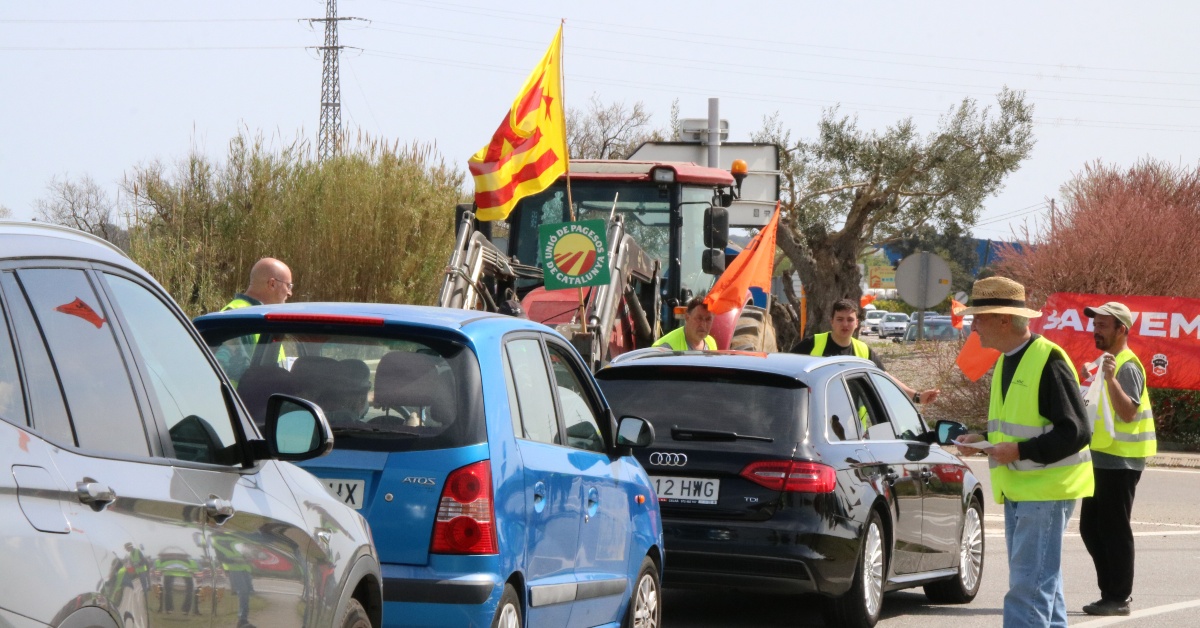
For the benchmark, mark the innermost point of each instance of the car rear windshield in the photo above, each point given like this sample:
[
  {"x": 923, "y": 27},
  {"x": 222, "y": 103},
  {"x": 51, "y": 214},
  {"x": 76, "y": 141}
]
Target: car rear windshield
[
  {"x": 718, "y": 401},
  {"x": 400, "y": 393}
]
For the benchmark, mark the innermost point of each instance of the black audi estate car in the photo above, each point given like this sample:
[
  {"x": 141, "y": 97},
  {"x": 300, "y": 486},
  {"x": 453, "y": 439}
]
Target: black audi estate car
[{"x": 801, "y": 474}]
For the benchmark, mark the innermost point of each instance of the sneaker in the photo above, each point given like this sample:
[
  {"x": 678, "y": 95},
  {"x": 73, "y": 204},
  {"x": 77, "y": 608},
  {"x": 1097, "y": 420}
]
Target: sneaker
[{"x": 1108, "y": 607}]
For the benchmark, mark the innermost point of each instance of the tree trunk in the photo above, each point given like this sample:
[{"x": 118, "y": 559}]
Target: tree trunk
[{"x": 828, "y": 268}]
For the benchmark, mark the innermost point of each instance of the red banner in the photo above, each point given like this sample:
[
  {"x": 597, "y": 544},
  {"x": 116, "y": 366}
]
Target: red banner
[{"x": 1165, "y": 334}]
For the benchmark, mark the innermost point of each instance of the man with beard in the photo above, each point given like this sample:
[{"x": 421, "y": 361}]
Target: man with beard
[{"x": 1118, "y": 459}]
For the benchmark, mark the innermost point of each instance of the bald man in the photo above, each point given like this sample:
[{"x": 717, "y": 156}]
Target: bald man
[{"x": 270, "y": 283}]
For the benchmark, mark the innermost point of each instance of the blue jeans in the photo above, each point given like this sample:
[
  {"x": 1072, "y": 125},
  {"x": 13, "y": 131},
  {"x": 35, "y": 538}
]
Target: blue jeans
[{"x": 1033, "y": 533}]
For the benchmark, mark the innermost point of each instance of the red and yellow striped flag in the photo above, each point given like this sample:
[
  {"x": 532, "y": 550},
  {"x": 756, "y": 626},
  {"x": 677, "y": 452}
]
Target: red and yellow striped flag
[{"x": 529, "y": 150}]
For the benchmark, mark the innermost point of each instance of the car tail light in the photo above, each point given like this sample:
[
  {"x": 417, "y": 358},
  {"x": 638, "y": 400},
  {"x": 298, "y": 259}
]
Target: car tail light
[
  {"x": 792, "y": 476},
  {"x": 466, "y": 521}
]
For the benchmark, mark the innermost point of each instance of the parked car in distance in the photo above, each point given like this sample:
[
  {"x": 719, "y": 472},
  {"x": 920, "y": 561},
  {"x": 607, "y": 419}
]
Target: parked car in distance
[
  {"x": 937, "y": 328},
  {"x": 870, "y": 323},
  {"x": 893, "y": 324},
  {"x": 136, "y": 487},
  {"x": 500, "y": 488},
  {"x": 790, "y": 473}
]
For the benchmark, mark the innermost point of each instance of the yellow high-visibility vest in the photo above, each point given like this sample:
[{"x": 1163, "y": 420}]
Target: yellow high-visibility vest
[{"x": 1015, "y": 418}]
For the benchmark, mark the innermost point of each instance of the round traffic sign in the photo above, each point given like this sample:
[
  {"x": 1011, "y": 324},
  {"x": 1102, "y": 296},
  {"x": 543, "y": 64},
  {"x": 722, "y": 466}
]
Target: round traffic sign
[{"x": 923, "y": 279}]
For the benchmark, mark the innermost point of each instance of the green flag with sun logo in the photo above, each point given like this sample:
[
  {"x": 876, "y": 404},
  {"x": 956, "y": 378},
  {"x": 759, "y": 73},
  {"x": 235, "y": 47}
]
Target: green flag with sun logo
[{"x": 574, "y": 254}]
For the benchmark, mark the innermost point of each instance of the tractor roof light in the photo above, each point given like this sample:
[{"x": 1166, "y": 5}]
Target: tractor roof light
[
  {"x": 739, "y": 170},
  {"x": 663, "y": 175}
]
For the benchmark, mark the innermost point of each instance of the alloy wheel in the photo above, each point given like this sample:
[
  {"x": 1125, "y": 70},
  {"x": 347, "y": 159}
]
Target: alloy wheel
[
  {"x": 645, "y": 603},
  {"x": 873, "y": 569},
  {"x": 509, "y": 618},
  {"x": 970, "y": 563}
]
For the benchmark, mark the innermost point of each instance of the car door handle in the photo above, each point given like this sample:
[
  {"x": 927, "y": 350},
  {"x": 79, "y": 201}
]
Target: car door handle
[
  {"x": 593, "y": 505},
  {"x": 891, "y": 476},
  {"x": 94, "y": 494},
  {"x": 926, "y": 474},
  {"x": 539, "y": 496},
  {"x": 219, "y": 509}
]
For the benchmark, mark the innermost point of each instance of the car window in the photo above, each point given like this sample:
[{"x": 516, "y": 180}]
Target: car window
[
  {"x": 869, "y": 410},
  {"x": 48, "y": 410},
  {"x": 187, "y": 389},
  {"x": 894, "y": 318},
  {"x": 104, "y": 412},
  {"x": 536, "y": 399},
  {"x": 905, "y": 420},
  {"x": 514, "y": 406},
  {"x": 381, "y": 389},
  {"x": 845, "y": 422},
  {"x": 746, "y": 402},
  {"x": 583, "y": 428},
  {"x": 12, "y": 401}
]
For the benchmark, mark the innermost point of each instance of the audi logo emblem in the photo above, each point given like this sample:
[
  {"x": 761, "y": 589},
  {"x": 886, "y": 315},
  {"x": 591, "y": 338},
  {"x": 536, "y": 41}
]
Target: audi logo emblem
[{"x": 660, "y": 459}]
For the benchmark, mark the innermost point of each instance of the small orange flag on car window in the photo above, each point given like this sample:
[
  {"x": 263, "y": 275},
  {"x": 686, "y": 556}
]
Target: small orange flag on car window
[
  {"x": 528, "y": 152},
  {"x": 974, "y": 359},
  {"x": 865, "y": 300},
  {"x": 753, "y": 267},
  {"x": 955, "y": 318}
]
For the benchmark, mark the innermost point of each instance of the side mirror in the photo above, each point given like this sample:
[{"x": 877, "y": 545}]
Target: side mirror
[
  {"x": 716, "y": 228},
  {"x": 724, "y": 199},
  {"x": 634, "y": 431},
  {"x": 947, "y": 431},
  {"x": 296, "y": 429},
  {"x": 713, "y": 262}
]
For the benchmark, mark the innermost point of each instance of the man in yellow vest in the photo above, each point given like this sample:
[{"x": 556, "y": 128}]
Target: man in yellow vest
[
  {"x": 693, "y": 335},
  {"x": 1118, "y": 459},
  {"x": 1037, "y": 444},
  {"x": 841, "y": 341},
  {"x": 270, "y": 284}
]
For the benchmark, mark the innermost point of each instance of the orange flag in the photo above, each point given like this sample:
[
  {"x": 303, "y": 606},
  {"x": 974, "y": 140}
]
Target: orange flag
[
  {"x": 865, "y": 300},
  {"x": 528, "y": 152},
  {"x": 753, "y": 267},
  {"x": 974, "y": 359},
  {"x": 955, "y": 318}
]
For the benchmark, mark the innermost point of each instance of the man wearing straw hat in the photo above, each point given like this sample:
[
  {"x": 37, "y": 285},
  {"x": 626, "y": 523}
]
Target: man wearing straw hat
[{"x": 1037, "y": 447}]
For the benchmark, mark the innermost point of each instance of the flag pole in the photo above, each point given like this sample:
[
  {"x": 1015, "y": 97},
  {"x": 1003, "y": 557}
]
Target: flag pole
[{"x": 562, "y": 89}]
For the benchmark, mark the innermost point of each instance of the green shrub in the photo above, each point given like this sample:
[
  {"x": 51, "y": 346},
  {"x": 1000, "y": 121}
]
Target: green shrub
[{"x": 373, "y": 224}]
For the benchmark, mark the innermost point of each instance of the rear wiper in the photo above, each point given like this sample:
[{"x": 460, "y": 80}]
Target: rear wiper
[{"x": 687, "y": 433}]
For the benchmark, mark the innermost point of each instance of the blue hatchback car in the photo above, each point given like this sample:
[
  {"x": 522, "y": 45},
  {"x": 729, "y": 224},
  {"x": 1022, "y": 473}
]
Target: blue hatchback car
[{"x": 499, "y": 487}]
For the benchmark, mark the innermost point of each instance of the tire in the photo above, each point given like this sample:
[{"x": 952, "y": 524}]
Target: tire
[
  {"x": 859, "y": 607},
  {"x": 508, "y": 612},
  {"x": 754, "y": 331},
  {"x": 645, "y": 608},
  {"x": 963, "y": 587},
  {"x": 355, "y": 616}
]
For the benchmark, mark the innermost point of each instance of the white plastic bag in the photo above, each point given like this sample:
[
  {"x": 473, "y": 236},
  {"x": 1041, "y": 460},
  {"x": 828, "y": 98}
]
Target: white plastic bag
[{"x": 1099, "y": 413}]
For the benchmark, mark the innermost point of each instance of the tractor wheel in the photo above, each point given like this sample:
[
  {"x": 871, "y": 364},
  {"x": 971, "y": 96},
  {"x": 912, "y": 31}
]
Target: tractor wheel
[{"x": 754, "y": 331}]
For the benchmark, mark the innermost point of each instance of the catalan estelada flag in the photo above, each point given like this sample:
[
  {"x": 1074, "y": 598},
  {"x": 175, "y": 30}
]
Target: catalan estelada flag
[
  {"x": 754, "y": 266},
  {"x": 529, "y": 150}
]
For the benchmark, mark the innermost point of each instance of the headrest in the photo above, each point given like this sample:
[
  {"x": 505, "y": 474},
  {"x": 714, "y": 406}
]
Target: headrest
[
  {"x": 260, "y": 382},
  {"x": 404, "y": 378}
]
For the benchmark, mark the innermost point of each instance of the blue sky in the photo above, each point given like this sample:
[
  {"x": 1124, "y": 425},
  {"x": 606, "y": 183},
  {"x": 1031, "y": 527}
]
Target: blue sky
[{"x": 95, "y": 88}]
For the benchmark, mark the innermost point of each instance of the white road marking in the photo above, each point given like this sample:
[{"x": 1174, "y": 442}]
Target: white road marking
[
  {"x": 1172, "y": 470},
  {"x": 1139, "y": 614}
]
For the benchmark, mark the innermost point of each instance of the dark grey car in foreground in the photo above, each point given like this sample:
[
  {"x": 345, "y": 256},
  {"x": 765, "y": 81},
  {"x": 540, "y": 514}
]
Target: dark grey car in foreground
[
  {"x": 801, "y": 474},
  {"x": 136, "y": 490}
]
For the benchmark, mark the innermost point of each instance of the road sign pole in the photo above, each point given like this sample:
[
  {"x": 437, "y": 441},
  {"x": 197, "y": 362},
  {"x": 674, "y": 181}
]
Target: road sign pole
[{"x": 924, "y": 294}]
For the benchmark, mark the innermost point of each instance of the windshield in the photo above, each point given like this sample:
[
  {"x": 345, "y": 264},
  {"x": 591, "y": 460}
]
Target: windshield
[
  {"x": 378, "y": 393},
  {"x": 893, "y": 318},
  {"x": 647, "y": 211}
]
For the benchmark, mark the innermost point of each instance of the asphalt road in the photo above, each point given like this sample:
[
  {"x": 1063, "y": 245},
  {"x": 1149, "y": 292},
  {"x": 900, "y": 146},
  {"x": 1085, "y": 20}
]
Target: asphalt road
[{"x": 1166, "y": 589}]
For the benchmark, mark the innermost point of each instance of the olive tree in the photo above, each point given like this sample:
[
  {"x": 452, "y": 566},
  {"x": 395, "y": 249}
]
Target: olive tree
[{"x": 850, "y": 187}]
